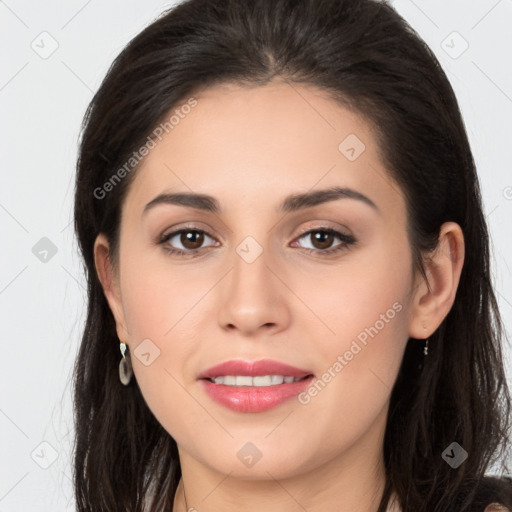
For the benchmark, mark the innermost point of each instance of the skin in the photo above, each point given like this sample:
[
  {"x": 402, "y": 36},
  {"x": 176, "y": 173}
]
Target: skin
[{"x": 249, "y": 148}]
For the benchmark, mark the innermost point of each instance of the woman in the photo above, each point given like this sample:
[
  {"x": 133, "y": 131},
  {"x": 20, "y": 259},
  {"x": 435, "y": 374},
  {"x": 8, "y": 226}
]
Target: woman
[{"x": 289, "y": 303}]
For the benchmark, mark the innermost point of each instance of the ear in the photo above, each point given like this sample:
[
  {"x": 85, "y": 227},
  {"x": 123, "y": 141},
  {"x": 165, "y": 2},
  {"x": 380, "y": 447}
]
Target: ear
[
  {"x": 443, "y": 269},
  {"x": 110, "y": 284}
]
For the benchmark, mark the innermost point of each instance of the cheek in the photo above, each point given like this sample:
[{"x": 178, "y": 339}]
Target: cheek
[
  {"x": 366, "y": 329},
  {"x": 160, "y": 307},
  {"x": 365, "y": 297},
  {"x": 366, "y": 311},
  {"x": 159, "y": 295},
  {"x": 164, "y": 346}
]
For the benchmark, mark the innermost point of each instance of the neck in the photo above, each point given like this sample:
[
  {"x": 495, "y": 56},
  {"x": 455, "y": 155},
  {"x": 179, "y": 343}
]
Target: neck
[{"x": 351, "y": 482}]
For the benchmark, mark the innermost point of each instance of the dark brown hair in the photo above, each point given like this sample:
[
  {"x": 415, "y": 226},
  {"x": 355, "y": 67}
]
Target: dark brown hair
[{"x": 366, "y": 57}]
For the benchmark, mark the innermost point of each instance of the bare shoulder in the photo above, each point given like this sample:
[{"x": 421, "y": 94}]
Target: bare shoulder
[
  {"x": 496, "y": 507},
  {"x": 497, "y": 492}
]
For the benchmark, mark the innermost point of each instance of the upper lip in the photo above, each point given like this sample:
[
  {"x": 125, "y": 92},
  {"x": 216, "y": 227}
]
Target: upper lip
[{"x": 253, "y": 368}]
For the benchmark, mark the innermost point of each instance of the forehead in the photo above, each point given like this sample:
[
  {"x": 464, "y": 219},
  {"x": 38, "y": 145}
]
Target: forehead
[{"x": 256, "y": 145}]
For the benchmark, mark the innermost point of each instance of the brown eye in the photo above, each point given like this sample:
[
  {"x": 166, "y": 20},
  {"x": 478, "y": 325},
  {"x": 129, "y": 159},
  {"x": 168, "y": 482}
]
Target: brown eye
[
  {"x": 192, "y": 239},
  {"x": 322, "y": 239}
]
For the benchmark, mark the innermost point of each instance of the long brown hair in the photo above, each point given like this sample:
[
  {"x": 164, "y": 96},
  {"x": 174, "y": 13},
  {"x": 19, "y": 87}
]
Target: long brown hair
[{"x": 368, "y": 59}]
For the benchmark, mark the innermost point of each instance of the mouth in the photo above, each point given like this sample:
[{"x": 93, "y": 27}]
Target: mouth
[
  {"x": 257, "y": 381},
  {"x": 257, "y": 386},
  {"x": 243, "y": 370}
]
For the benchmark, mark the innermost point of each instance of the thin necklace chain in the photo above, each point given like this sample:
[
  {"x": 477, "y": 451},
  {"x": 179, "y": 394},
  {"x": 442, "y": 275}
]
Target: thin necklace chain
[{"x": 184, "y": 495}]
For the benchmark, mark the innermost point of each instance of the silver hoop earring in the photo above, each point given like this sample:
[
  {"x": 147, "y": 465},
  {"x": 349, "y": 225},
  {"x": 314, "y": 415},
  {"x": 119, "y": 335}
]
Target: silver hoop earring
[{"x": 125, "y": 367}]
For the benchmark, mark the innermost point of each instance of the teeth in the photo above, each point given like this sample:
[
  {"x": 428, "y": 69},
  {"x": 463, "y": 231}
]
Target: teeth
[{"x": 247, "y": 380}]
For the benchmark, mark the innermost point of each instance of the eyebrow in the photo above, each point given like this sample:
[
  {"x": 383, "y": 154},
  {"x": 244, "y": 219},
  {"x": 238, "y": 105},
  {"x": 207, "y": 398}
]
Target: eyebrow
[{"x": 291, "y": 203}]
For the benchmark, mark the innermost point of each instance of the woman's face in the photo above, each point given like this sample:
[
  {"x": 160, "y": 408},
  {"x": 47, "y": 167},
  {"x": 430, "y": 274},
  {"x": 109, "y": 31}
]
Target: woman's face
[{"x": 261, "y": 287}]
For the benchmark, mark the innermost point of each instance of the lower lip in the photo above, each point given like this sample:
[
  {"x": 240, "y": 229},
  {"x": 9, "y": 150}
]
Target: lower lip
[{"x": 254, "y": 398}]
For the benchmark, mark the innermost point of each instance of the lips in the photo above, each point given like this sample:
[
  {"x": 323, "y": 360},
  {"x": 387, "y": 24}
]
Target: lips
[
  {"x": 254, "y": 369},
  {"x": 252, "y": 398}
]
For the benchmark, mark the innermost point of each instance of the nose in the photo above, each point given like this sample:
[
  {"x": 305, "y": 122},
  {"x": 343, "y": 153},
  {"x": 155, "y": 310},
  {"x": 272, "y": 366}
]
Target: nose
[{"x": 254, "y": 298}]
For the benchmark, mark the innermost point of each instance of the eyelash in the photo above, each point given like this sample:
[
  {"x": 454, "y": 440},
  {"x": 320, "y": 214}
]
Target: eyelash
[{"x": 347, "y": 240}]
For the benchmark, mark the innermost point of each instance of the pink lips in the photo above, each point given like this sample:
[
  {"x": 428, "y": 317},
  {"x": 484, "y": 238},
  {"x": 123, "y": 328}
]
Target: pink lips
[
  {"x": 253, "y": 398},
  {"x": 253, "y": 368}
]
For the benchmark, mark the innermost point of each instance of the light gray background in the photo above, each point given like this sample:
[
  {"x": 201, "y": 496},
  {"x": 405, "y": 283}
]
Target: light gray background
[{"x": 42, "y": 102}]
